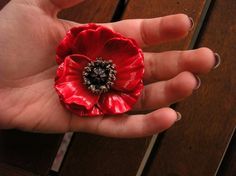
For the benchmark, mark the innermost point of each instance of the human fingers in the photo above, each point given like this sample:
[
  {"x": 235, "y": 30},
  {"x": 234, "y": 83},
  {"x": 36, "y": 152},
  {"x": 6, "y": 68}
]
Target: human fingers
[
  {"x": 149, "y": 31},
  {"x": 155, "y": 30},
  {"x": 126, "y": 126},
  {"x": 144, "y": 31},
  {"x": 165, "y": 93},
  {"x": 166, "y": 65}
]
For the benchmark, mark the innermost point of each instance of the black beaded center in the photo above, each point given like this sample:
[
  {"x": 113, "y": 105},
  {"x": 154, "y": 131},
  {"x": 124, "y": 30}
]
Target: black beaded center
[{"x": 99, "y": 75}]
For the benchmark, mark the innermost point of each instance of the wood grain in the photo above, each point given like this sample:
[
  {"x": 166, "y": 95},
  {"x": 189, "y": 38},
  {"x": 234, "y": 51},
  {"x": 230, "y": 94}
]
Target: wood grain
[
  {"x": 98, "y": 11},
  {"x": 96, "y": 155},
  {"x": 195, "y": 146},
  {"x": 89, "y": 154}
]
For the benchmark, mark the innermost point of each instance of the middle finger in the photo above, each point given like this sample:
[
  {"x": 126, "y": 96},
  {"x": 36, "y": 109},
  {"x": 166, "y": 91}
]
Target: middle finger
[{"x": 166, "y": 65}]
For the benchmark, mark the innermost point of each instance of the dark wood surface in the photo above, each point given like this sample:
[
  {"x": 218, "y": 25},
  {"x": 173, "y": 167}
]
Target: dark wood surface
[
  {"x": 9, "y": 170},
  {"x": 91, "y": 11},
  {"x": 29, "y": 151},
  {"x": 195, "y": 146},
  {"x": 95, "y": 155}
]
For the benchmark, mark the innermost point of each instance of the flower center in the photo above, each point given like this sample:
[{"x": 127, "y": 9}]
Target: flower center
[{"x": 99, "y": 75}]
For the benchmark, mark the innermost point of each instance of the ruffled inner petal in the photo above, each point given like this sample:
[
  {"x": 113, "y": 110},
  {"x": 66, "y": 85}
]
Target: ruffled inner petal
[
  {"x": 65, "y": 47},
  {"x": 72, "y": 68},
  {"x": 69, "y": 83},
  {"x": 115, "y": 102},
  {"x": 91, "y": 42},
  {"x": 128, "y": 60},
  {"x": 76, "y": 30}
]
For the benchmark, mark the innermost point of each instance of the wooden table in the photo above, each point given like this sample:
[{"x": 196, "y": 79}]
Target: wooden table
[{"x": 203, "y": 143}]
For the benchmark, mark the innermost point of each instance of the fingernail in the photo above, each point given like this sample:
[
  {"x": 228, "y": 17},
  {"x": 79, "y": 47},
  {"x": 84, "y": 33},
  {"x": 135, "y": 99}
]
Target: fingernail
[
  {"x": 179, "y": 116},
  {"x": 217, "y": 60},
  {"x": 199, "y": 82},
  {"x": 191, "y": 23}
]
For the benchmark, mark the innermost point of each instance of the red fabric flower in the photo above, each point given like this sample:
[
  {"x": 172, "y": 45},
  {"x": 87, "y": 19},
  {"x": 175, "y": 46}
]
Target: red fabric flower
[{"x": 100, "y": 71}]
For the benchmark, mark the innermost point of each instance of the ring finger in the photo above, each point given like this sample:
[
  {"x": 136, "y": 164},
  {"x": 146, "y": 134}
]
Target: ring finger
[{"x": 165, "y": 93}]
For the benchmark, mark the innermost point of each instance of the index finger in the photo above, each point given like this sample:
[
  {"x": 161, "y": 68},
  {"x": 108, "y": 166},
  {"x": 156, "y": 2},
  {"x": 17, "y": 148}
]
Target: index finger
[
  {"x": 149, "y": 31},
  {"x": 155, "y": 30}
]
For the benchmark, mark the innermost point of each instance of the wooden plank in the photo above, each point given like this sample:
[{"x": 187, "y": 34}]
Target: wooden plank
[
  {"x": 196, "y": 144},
  {"x": 89, "y": 154},
  {"x": 147, "y": 155},
  {"x": 35, "y": 152},
  {"x": 91, "y": 11},
  {"x": 28, "y": 151}
]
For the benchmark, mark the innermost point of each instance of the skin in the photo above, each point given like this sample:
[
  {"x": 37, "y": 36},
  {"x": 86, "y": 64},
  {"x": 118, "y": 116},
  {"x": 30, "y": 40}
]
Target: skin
[{"x": 30, "y": 32}]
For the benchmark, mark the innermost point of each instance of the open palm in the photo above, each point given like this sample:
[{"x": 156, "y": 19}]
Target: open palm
[{"x": 30, "y": 33}]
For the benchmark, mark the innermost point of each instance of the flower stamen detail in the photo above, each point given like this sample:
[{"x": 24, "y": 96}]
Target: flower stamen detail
[{"x": 99, "y": 75}]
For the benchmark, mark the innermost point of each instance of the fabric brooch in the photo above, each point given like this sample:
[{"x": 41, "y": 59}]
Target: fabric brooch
[{"x": 100, "y": 71}]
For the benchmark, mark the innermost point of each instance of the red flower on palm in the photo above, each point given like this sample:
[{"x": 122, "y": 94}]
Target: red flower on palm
[{"x": 100, "y": 71}]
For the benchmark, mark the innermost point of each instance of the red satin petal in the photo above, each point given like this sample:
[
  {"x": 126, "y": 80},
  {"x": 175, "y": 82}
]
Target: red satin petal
[
  {"x": 91, "y": 42},
  {"x": 76, "y": 30},
  {"x": 128, "y": 60},
  {"x": 65, "y": 47},
  {"x": 76, "y": 64},
  {"x": 69, "y": 83},
  {"x": 115, "y": 102}
]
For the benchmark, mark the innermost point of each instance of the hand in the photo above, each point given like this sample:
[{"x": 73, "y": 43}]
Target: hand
[{"x": 30, "y": 33}]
